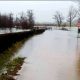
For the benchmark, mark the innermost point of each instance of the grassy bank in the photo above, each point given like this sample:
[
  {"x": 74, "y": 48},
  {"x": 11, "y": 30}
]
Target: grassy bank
[
  {"x": 9, "y": 53},
  {"x": 12, "y": 68}
]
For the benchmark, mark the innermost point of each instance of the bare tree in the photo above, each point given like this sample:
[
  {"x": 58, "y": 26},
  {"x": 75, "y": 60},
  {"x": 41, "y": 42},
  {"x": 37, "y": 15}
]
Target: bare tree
[
  {"x": 30, "y": 18},
  {"x": 24, "y": 21},
  {"x": 6, "y": 21},
  {"x": 17, "y": 22},
  {"x": 10, "y": 21},
  {"x": 71, "y": 15},
  {"x": 58, "y": 17}
]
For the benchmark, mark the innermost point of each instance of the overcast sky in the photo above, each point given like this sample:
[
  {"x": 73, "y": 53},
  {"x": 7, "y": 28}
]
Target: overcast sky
[{"x": 43, "y": 10}]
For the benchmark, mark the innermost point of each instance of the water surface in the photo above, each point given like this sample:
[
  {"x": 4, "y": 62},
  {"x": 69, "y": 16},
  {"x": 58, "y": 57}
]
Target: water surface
[{"x": 53, "y": 55}]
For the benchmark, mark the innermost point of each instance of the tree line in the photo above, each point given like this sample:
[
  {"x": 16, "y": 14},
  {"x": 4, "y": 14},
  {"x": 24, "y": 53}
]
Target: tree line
[
  {"x": 72, "y": 15},
  {"x": 25, "y": 21}
]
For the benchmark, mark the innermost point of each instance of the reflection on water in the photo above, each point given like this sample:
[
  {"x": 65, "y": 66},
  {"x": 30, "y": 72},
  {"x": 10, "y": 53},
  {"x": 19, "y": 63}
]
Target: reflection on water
[{"x": 50, "y": 56}]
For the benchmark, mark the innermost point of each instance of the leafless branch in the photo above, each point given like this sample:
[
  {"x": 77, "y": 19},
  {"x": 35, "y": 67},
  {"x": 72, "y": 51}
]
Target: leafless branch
[
  {"x": 72, "y": 15},
  {"x": 58, "y": 17}
]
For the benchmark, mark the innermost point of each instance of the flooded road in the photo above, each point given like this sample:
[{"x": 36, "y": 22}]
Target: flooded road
[{"x": 52, "y": 55}]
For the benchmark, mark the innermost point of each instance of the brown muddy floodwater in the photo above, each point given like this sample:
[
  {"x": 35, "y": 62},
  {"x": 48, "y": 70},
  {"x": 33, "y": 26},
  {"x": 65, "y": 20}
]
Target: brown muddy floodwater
[{"x": 52, "y": 55}]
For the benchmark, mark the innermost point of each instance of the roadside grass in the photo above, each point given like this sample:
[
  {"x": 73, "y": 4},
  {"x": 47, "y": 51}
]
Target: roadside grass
[{"x": 12, "y": 68}]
